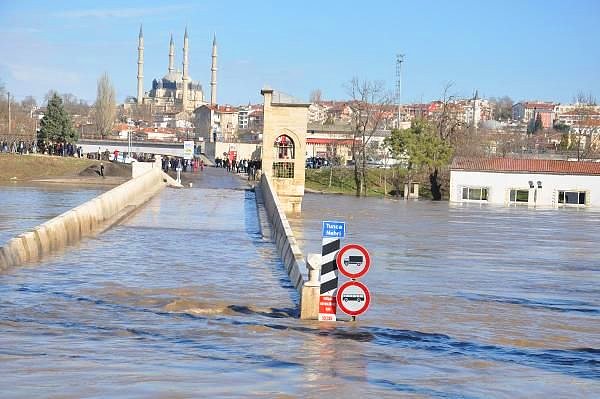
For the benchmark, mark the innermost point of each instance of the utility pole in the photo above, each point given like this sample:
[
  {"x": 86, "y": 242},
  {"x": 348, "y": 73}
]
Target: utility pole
[
  {"x": 399, "y": 61},
  {"x": 9, "y": 116}
]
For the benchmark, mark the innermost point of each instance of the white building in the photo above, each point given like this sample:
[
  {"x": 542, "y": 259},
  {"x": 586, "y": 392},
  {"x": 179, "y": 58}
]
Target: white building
[{"x": 532, "y": 182}]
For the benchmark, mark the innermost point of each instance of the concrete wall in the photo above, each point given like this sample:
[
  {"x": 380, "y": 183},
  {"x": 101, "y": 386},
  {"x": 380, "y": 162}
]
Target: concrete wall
[
  {"x": 84, "y": 220},
  {"x": 500, "y": 184},
  {"x": 289, "y": 251},
  {"x": 140, "y": 168}
]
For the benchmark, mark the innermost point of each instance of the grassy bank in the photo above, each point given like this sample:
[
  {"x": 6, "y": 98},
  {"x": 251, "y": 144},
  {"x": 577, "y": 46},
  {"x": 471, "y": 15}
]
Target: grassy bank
[
  {"x": 32, "y": 167},
  {"x": 341, "y": 181},
  {"x": 379, "y": 181}
]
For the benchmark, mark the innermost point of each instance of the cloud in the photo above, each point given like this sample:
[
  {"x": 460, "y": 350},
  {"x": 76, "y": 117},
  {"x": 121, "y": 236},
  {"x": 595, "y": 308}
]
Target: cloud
[{"x": 124, "y": 12}]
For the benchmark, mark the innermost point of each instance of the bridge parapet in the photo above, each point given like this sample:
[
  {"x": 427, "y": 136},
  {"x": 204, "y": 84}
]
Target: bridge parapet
[
  {"x": 87, "y": 219},
  {"x": 298, "y": 269}
]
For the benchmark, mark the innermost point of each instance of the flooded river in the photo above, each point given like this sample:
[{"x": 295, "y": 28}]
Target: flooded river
[
  {"x": 185, "y": 299},
  {"x": 24, "y": 207}
]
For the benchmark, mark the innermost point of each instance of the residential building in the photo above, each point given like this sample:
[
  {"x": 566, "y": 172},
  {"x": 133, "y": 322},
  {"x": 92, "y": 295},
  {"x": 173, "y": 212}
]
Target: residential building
[
  {"x": 243, "y": 118},
  {"x": 216, "y": 123},
  {"x": 528, "y": 111},
  {"x": 317, "y": 113},
  {"x": 531, "y": 182}
]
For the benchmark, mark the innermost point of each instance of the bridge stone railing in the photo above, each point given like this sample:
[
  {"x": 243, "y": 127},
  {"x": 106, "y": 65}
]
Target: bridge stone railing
[
  {"x": 84, "y": 220},
  {"x": 290, "y": 252}
]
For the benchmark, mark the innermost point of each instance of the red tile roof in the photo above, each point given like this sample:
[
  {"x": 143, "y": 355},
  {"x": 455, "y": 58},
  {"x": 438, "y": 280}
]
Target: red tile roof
[
  {"x": 538, "y": 105},
  {"x": 547, "y": 166}
]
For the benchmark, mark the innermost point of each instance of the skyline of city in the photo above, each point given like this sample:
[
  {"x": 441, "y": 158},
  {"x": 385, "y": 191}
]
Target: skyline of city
[{"x": 298, "y": 48}]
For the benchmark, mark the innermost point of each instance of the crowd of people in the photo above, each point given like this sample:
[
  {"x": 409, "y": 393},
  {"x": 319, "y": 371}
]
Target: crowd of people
[
  {"x": 60, "y": 149},
  {"x": 20, "y": 147},
  {"x": 249, "y": 167},
  {"x": 174, "y": 163}
]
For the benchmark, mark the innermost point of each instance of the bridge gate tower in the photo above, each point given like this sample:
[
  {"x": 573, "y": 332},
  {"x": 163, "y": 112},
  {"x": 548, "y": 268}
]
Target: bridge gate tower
[{"x": 285, "y": 121}]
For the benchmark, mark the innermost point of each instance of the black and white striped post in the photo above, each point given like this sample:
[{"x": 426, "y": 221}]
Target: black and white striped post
[{"x": 332, "y": 233}]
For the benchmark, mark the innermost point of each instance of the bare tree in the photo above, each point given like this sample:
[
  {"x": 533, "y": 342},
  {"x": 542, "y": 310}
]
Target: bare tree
[
  {"x": 105, "y": 105},
  {"x": 582, "y": 98},
  {"x": 450, "y": 129},
  {"x": 315, "y": 96},
  {"x": 501, "y": 108},
  {"x": 369, "y": 101}
]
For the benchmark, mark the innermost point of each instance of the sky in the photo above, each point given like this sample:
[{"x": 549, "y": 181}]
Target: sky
[{"x": 527, "y": 49}]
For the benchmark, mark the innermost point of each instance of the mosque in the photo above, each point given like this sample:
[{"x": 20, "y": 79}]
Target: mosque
[{"x": 175, "y": 90}]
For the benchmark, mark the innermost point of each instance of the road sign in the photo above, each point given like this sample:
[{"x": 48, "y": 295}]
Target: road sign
[
  {"x": 188, "y": 149},
  {"x": 334, "y": 229},
  {"x": 353, "y": 261},
  {"x": 353, "y": 298}
]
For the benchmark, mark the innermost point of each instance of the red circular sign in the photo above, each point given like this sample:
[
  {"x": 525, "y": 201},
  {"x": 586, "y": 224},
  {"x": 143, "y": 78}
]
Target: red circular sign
[
  {"x": 353, "y": 261},
  {"x": 353, "y": 298}
]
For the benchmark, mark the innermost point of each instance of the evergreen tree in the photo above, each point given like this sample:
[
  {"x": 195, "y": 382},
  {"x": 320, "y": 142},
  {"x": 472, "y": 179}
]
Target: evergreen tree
[
  {"x": 421, "y": 146},
  {"x": 56, "y": 125}
]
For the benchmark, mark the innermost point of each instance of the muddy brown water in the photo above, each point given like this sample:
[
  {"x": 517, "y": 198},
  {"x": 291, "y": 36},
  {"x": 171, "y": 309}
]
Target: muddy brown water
[{"x": 185, "y": 299}]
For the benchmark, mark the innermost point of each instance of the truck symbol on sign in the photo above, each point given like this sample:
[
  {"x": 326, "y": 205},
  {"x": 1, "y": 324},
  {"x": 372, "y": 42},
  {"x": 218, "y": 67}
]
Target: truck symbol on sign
[
  {"x": 353, "y": 297},
  {"x": 354, "y": 260}
]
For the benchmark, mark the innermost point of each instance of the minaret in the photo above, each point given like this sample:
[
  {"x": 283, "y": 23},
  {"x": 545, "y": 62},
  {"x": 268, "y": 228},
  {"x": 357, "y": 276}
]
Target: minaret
[
  {"x": 185, "y": 77},
  {"x": 171, "y": 55},
  {"x": 213, "y": 73},
  {"x": 140, "y": 73}
]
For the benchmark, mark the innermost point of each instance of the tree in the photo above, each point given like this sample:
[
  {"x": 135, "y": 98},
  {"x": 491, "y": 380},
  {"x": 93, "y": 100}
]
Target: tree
[
  {"x": 502, "y": 108},
  {"x": 105, "y": 105},
  {"x": 315, "y": 96},
  {"x": 28, "y": 103},
  {"x": 368, "y": 107},
  {"x": 450, "y": 129},
  {"x": 582, "y": 98},
  {"x": 424, "y": 148},
  {"x": 56, "y": 125}
]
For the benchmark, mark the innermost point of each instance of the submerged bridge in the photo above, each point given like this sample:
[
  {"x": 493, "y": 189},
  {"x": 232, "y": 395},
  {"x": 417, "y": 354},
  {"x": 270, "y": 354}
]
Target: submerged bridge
[{"x": 225, "y": 216}]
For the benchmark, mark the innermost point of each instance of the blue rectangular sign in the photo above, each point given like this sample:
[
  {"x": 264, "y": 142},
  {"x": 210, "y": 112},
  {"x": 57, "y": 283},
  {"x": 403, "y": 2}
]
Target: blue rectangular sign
[{"x": 334, "y": 229}]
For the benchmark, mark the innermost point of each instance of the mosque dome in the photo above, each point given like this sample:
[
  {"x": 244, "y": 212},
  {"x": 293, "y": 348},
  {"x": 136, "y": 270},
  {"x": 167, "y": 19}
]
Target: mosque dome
[{"x": 175, "y": 76}]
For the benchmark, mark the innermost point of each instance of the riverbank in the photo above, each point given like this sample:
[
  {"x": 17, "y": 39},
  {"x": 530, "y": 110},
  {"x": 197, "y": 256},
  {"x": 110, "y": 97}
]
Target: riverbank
[
  {"x": 380, "y": 182},
  {"x": 64, "y": 170}
]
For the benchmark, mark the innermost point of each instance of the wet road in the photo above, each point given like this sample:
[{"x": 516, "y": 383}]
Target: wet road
[{"x": 185, "y": 299}]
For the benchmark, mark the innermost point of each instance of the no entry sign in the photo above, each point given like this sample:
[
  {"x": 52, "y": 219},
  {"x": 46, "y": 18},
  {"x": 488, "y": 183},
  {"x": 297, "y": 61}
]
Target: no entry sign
[
  {"x": 353, "y": 261},
  {"x": 353, "y": 298}
]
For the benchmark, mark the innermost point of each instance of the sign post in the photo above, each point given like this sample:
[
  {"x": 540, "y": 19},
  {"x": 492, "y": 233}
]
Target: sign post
[
  {"x": 188, "y": 149},
  {"x": 332, "y": 232}
]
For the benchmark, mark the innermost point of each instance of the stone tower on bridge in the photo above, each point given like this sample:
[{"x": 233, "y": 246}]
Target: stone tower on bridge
[{"x": 284, "y": 146}]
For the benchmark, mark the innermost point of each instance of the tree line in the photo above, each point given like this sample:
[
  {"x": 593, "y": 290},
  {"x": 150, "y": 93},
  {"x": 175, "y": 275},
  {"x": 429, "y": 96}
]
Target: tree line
[{"x": 57, "y": 125}]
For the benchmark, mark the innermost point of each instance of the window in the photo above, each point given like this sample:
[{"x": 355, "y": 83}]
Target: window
[
  {"x": 283, "y": 170},
  {"x": 285, "y": 152},
  {"x": 284, "y": 147},
  {"x": 571, "y": 197},
  {"x": 519, "y": 195},
  {"x": 475, "y": 193}
]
